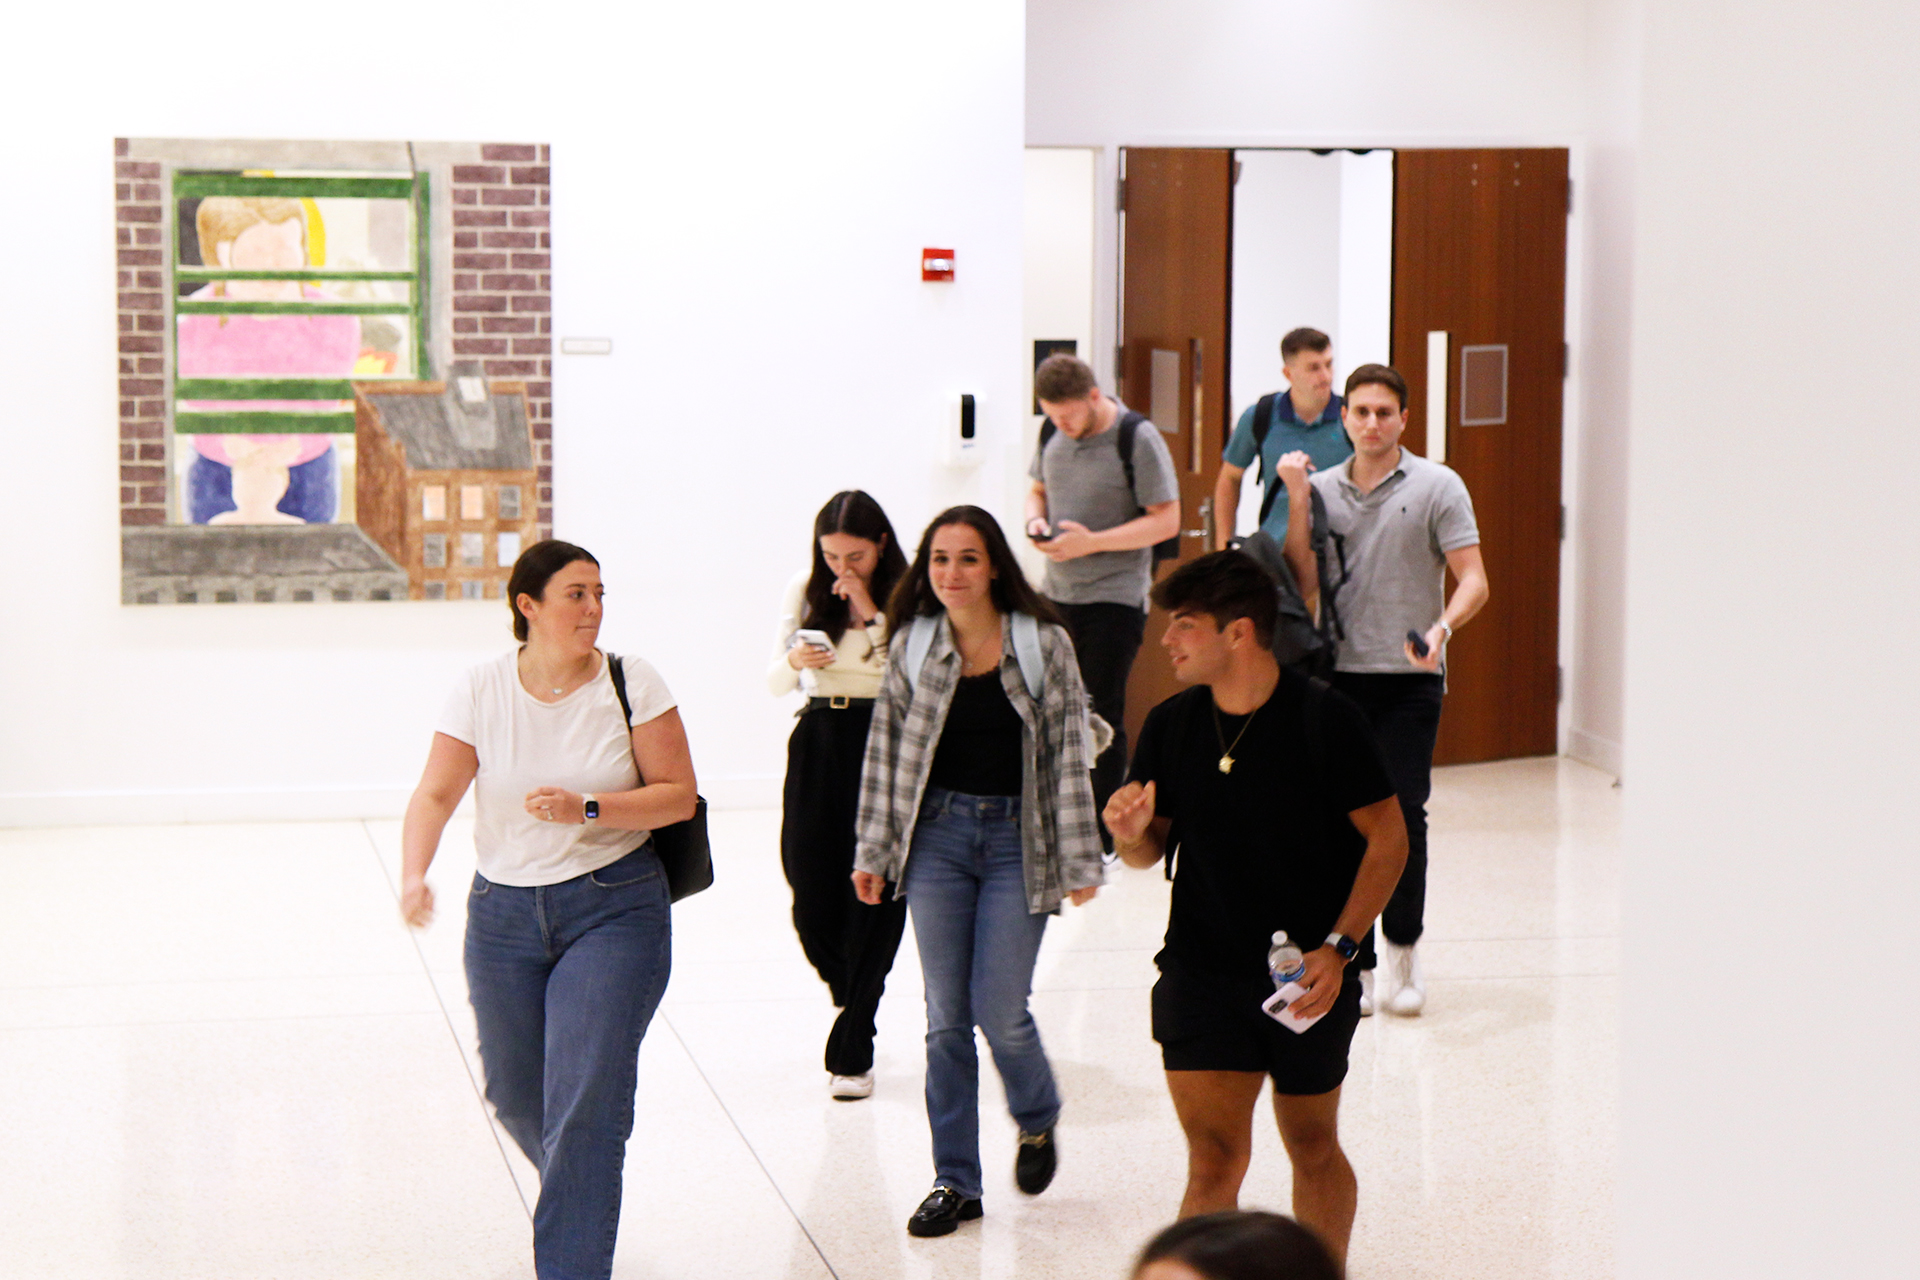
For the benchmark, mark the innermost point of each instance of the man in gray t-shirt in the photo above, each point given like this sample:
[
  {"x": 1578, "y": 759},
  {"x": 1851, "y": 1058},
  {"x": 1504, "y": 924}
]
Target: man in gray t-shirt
[
  {"x": 1400, "y": 523},
  {"x": 1097, "y": 532}
]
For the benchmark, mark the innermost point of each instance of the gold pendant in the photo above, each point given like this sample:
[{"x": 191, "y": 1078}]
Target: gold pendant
[{"x": 1226, "y": 764}]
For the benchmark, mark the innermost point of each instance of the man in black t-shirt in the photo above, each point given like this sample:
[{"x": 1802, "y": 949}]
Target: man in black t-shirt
[{"x": 1269, "y": 793}]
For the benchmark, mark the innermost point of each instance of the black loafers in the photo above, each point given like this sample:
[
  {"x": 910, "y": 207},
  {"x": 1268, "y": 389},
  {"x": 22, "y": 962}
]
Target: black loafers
[
  {"x": 943, "y": 1210},
  {"x": 1037, "y": 1159}
]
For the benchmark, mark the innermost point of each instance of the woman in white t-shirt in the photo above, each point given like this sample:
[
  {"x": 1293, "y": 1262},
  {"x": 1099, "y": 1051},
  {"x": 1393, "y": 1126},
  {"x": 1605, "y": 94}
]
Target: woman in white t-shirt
[{"x": 568, "y": 938}]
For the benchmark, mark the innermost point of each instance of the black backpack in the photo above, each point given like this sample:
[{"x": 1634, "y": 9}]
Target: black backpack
[
  {"x": 1126, "y": 429},
  {"x": 1299, "y": 641}
]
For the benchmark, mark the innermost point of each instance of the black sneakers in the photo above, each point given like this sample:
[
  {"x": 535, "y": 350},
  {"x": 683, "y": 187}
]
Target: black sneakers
[
  {"x": 1033, "y": 1166},
  {"x": 943, "y": 1210}
]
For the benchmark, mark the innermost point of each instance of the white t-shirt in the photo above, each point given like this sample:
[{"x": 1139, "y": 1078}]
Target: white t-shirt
[{"x": 578, "y": 743}]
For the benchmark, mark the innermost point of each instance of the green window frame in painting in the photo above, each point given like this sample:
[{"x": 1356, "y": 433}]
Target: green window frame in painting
[{"x": 412, "y": 188}]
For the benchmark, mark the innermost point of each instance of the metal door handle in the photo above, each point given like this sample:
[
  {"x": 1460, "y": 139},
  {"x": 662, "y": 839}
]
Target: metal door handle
[{"x": 1205, "y": 531}]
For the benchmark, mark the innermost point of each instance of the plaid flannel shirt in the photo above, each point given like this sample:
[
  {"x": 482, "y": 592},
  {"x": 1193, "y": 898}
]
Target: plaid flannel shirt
[{"x": 1059, "y": 830}]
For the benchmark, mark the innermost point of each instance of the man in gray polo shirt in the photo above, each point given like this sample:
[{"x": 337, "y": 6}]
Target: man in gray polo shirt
[
  {"x": 1403, "y": 523},
  {"x": 1097, "y": 532}
]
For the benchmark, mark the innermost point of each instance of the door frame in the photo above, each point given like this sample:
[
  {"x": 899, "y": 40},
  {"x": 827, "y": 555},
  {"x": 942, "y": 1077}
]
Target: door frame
[{"x": 1108, "y": 247}]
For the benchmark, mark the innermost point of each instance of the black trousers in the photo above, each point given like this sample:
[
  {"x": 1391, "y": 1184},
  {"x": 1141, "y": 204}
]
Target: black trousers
[
  {"x": 1404, "y": 711},
  {"x": 849, "y": 943},
  {"x": 1106, "y": 638}
]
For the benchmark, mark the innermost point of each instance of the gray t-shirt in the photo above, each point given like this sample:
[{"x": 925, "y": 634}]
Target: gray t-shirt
[
  {"x": 1397, "y": 539},
  {"x": 1086, "y": 482}
]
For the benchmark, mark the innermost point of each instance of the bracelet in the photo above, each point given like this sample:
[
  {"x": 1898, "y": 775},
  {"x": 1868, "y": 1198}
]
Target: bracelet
[{"x": 1449, "y": 630}]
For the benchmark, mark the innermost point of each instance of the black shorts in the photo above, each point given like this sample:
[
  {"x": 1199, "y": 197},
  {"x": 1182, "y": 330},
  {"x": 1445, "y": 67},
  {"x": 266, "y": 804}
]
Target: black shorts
[{"x": 1207, "y": 1025}]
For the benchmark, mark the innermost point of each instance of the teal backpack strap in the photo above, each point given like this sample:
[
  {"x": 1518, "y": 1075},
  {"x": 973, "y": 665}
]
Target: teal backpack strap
[
  {"x": 1026, "y": 648},
  {"x": 919, "y": 644}
]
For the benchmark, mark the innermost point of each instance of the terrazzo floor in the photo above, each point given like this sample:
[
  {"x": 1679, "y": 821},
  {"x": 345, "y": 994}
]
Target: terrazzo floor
[{"x": 222, "y": 1055}]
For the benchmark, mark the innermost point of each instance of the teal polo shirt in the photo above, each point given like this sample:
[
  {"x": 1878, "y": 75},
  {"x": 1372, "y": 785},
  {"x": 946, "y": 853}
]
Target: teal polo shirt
[{"x": 1324, "y": 440}]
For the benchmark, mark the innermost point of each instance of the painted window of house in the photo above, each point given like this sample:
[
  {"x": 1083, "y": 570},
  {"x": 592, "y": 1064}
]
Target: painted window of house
[
  {"x": 470, "y": 591},
  {"x": 508, "y": 550},
  {"x": 473, "y": 502},
  {"x": 433, "y": 551},
  {"x": 290, "y": 285},
  {"x": 433, "y": 502},
  {"x": 473, "y": 550},
  {"x": 435, "y": 590},
  {"x": 509, "y": 506}
]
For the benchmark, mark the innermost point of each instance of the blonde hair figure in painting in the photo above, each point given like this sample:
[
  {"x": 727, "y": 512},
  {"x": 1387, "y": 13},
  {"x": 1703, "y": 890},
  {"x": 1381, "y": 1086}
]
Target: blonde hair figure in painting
[{"x": 246, "y": 479}]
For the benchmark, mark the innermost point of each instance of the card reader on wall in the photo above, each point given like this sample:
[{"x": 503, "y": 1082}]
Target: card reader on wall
[{"x": 961, "y": 431}]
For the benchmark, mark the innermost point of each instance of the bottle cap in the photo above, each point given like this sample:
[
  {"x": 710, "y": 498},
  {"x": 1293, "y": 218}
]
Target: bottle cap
[{"x": 1279, "y": 937}]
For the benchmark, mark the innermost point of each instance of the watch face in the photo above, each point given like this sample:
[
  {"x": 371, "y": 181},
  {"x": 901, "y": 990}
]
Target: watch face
[{"x": 592, "y": 809}]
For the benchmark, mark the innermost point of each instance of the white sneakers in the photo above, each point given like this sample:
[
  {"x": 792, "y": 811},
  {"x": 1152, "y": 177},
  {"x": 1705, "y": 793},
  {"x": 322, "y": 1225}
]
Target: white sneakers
[
  {"x": 1366, "y": 993},
  {"x": 851, "y": 1088},
  {"x": 1409, "y": 993}
]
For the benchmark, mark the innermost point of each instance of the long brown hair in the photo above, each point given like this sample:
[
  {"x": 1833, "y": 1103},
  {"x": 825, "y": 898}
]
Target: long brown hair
[
  {"x": 854, "y": 512},
  {"x": 1012, "y": 593}
]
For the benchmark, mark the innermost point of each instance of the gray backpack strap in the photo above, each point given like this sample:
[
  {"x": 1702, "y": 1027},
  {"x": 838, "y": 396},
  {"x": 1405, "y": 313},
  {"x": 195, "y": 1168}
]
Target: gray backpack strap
[
  {"x": 919, "y": 644},
  {"x": 1026, "y": 648}
]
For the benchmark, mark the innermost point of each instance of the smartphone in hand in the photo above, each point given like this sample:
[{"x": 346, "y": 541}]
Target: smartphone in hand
[
  {"x": 813, "y": 638},
  {"x": 1046, "y": 535},
  {"x": 1419, "y": 643}
]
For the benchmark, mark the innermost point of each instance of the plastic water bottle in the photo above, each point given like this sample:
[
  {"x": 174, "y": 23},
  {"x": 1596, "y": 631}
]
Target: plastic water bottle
[{"x": 1284, "y": 961}]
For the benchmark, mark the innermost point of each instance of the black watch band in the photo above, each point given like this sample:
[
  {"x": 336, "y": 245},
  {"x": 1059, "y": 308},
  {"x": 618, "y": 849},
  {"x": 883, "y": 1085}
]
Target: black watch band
[{"x": 1346, "y": 946}]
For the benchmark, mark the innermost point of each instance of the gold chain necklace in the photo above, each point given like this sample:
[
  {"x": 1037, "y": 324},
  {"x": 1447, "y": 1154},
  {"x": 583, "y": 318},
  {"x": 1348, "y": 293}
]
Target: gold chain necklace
[{"x": 1226, "y": 752}]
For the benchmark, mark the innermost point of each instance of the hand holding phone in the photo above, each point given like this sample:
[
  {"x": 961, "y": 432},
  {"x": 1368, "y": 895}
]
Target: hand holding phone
[
  {"x": 816, "y": 639},
  {"x": 1419, "y": 643}
]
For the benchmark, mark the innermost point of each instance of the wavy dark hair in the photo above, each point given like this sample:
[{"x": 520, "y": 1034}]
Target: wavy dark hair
[
  {"x": 854, "y": 512},
  {"x": 1012, "y": 593},
  {"x": 533, "y": 570},
  {"x": 1242, "y": 1245}
]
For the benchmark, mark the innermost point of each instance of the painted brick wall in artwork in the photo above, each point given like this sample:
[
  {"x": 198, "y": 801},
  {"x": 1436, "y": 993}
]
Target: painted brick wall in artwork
[
  {"x": 503, "y": 284},
  {"x": 139, "y": 221}
]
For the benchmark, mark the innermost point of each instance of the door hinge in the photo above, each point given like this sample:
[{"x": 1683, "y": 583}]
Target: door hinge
[
  {"x": 1236, "y": 173},
  {"x": 1120, "y": 195}
]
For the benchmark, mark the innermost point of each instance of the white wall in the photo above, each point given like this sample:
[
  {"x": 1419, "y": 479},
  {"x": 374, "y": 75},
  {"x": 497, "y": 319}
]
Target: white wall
[
  {"x": 1058, "y": 273},
  {"x": 741, "y": 193},
  {"x": 1771, "y": 991}
]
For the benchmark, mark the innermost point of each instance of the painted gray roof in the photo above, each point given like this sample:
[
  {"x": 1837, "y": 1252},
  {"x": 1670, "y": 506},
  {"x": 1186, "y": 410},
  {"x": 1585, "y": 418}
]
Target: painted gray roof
[
  {"x": 248, "y": 550},
  {"x": 421, "y": 423}
]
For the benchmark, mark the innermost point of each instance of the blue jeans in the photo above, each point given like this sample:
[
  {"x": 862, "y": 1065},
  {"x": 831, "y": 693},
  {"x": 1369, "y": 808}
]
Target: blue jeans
[
  {"x": 564, "y": 979},
  {"x": 967, "y": 892}
]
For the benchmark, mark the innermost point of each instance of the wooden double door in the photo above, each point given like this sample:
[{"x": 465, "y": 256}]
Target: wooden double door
[{"x": 1479, "y": 256}]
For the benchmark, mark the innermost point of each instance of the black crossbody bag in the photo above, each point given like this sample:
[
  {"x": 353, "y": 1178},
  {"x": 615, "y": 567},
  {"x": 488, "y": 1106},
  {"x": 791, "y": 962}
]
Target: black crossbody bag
[{"x": 683, "y": 849}]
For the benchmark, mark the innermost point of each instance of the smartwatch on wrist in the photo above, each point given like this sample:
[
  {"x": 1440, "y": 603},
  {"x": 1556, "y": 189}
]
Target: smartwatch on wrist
[
  {"x": 589, "y": 810},
  {"x": 1346, "y": 946}
]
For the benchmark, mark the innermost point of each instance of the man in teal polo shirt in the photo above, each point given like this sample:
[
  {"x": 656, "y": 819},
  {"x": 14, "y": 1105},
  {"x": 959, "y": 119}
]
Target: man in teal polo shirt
[{"x": 1306, "y": 417}]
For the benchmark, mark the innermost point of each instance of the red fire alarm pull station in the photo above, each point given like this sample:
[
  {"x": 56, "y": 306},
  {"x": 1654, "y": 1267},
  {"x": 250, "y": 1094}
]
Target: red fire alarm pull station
[{"x": 936, "y": 264}]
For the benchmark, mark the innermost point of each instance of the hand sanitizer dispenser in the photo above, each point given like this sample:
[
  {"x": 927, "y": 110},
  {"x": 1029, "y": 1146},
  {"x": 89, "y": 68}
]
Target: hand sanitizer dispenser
[{"x": 961, "y": 433}]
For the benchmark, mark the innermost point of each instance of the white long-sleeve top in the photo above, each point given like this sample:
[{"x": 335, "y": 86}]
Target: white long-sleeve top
[{"x": 857, "y": 665}]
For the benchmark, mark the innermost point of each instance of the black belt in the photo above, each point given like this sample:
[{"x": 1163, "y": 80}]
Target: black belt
[{"x": 837, "y": 703}]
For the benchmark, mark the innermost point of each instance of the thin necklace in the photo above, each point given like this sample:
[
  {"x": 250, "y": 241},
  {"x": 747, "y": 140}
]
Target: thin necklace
[{"x": 1226, "y": 752}]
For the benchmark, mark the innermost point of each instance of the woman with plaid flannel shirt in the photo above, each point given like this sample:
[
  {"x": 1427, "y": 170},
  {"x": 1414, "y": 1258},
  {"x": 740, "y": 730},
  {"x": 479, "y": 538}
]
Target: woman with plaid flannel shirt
[{"x": 975, "y": 802}]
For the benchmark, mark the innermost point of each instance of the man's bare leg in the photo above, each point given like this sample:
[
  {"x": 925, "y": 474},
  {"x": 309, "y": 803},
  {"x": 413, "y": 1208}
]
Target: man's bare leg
[
  {"x": 1324, "y": 1188},
  {"x": 1216, "y": 1112}
]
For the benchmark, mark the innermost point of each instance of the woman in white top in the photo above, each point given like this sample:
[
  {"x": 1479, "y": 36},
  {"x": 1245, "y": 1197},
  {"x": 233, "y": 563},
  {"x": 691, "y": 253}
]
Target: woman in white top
[
  {"x": 567, "y": 945},
  {"x": 856, "y": 562}
]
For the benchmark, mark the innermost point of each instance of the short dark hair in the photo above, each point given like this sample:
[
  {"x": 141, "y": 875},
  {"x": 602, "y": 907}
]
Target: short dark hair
[
  {"x": 533, "y": 570},
  {"x": 1303, "y": 339},
  {"x": 1377, "y": 375},
  {"x": 1012, "y": 593},
  {"x": 1063, "y": 377},
  {"x": 1223, "y": 585},
  {"x": 1242, "y": 1245}
]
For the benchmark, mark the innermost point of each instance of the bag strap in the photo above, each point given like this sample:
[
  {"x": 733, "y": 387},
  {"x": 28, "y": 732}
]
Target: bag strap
[
  {"x": 1026, "y": 650},
  {"x": 1270, "y": 486},
  {"x": 617, "y": 672},
  {"x": 1129, "y": 431}
]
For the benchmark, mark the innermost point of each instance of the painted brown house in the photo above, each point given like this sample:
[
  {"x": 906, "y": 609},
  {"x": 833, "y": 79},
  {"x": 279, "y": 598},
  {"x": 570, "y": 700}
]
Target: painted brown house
[{"x": 447, "y": 481}]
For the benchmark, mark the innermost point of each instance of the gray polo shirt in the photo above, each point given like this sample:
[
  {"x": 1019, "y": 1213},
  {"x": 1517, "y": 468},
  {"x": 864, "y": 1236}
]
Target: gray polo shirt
[
  {"x": 1397, "y": 539},
  {"x": 1086, "y": 482}
]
